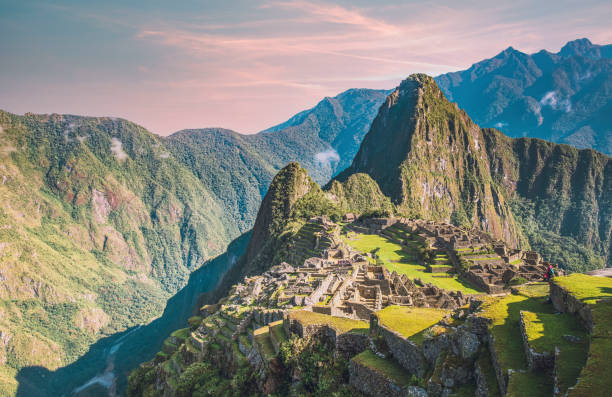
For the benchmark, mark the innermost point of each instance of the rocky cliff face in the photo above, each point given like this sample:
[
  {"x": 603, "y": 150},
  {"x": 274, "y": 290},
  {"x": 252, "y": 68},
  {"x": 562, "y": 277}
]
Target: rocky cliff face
[
  {"x": 559, "y": 193},
  {"x": 430, "y": 159}
]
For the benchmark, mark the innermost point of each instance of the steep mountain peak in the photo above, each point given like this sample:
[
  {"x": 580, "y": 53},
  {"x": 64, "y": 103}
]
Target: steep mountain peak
[
  {"x": 429, "y": 158},
  {"x": 289, "y": 185},
  {"x": 508, "y": 51},
  {"x": 581, "y": 47}
]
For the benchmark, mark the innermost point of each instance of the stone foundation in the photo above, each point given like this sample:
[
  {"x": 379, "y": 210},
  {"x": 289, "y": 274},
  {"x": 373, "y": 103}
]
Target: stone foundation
[
  {"x": 405, "y": 352},
  {"x": 374, "y": 384}
]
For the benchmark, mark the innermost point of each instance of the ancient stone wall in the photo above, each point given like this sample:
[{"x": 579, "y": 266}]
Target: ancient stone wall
[
  {"x": 406, "y": 352},
  {"x": 360, "y": 311},
  {"x": 373, "y": 383},
  {"x": 350, "y": 344},
  {"x": 502, "y": 377},
  {"x": 536, "y": 360},
  {"x": 565, "y": 302}
]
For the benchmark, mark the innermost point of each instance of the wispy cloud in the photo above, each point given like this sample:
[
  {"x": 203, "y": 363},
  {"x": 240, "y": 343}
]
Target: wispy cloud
[{"x": 333, "y": 13}]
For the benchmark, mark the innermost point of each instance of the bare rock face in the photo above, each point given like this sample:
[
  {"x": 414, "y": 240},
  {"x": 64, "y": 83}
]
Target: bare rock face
[{"x": 465, "y": 344}]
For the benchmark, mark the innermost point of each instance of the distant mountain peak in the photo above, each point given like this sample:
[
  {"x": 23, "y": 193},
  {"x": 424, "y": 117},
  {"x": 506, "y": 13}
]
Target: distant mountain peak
[{"x": 585, "y": 48}]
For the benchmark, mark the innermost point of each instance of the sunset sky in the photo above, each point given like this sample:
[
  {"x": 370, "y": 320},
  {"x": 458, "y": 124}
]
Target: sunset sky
[{"x": 247, "y": 65}]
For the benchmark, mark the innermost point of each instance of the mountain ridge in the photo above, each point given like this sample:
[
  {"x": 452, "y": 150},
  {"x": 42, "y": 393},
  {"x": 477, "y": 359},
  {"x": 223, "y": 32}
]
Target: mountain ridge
[
  {"x": 239, "y": 168},
  {"x": 562, "y": 97}
]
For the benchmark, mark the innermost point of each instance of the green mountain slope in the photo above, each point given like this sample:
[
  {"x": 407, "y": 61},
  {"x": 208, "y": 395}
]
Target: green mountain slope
[
  {"x": 429, "y": 158},
  {"x": 99, "y": 224},
  {"x": 239, "y": 168},
  {"x": 433, "y": 162}
]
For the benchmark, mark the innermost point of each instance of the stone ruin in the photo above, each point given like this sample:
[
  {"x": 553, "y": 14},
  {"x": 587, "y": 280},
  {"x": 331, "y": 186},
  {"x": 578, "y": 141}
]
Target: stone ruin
[{"x": 493, "y": 275}]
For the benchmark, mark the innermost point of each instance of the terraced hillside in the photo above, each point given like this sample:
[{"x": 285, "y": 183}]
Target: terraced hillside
[{"x": 401, "y": 252}]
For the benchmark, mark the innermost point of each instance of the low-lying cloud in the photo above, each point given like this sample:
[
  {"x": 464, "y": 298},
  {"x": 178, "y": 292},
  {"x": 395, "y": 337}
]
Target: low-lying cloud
[
  {"x": 117, "y": 149},
  {"x": 554, "y": 100},
  {"x": 327, "y": 157}
]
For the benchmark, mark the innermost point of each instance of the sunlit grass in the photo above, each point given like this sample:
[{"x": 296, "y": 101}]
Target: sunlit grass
[{"x": 396, "y": 258}]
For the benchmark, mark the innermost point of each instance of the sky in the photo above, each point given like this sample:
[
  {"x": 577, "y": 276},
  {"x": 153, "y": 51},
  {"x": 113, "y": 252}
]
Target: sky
[{"x": 247, "y": 65}]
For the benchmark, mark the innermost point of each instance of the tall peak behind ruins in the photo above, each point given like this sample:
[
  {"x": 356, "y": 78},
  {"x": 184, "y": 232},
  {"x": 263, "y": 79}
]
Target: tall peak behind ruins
[{"x": 430, "y": 159}]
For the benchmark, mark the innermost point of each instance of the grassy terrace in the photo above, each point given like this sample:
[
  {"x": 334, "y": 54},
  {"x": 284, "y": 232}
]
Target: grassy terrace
[
  {"x": 181, "y": 334},
  {"x": 586, "y": 288},
  {"x": 545, "y": 332},
  {"x": 261, "y": 337},
  {"x": 340, "y": 324},
  {"x": 410, "y": 322},
  {"x": 386, "y": 367},
  {"x": 277, "y": 331},
  {"x": 594, "y": 379},
  {"x": 505, "y": 328},
  {"x": 397, "y": 259}
]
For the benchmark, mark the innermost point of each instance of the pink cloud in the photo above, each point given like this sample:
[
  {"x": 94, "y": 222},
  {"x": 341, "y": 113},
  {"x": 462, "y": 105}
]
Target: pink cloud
[{"x": 337, "y": 14}]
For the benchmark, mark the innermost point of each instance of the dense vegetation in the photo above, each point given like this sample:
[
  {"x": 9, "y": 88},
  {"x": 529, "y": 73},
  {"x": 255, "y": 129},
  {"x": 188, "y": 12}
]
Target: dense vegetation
[
  {"x": 99, "y": 224},
  {"x": 239, "y": 168}
]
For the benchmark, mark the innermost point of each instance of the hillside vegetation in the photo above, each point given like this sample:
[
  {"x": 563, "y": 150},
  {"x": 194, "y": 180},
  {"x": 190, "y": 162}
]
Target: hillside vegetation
[
  {"x": 99, "y": 225},
  {"x": 239, "y": 168}
]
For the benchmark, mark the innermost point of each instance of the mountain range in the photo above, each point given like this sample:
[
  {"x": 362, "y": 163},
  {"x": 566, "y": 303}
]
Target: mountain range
[
  {"x": 239, "y": 168},
  {"x": 102, "y": 221},
  {"x": 563, "y": 97},
  {"x": 323, "y": 304}
]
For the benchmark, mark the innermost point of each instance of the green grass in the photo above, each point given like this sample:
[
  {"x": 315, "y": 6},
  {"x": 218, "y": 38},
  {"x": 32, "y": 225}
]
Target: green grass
[
  {"x": 278, "y": 331},
  {"x": 529, "y": 384},
  {"x": 505, "y": 327},
  {"x": 181, "y": 334},
  {"x": 586, "y": 288},
  {"x": 545, "y": 332},
  {"x": 488, "y": 371},
  {"x": 386, "y": 367},
  {"x": 594, "y": 380},
  {"x": 245, "y": 341},
  {"x": 465, "y": 390},
  {"x": 261, "y": 337},
  {"x": 340, "y": 324},
  {"x": 395, "y": 258},
  {"x": 195, "y": 321},
  {"x": 410, "y": 322}
]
